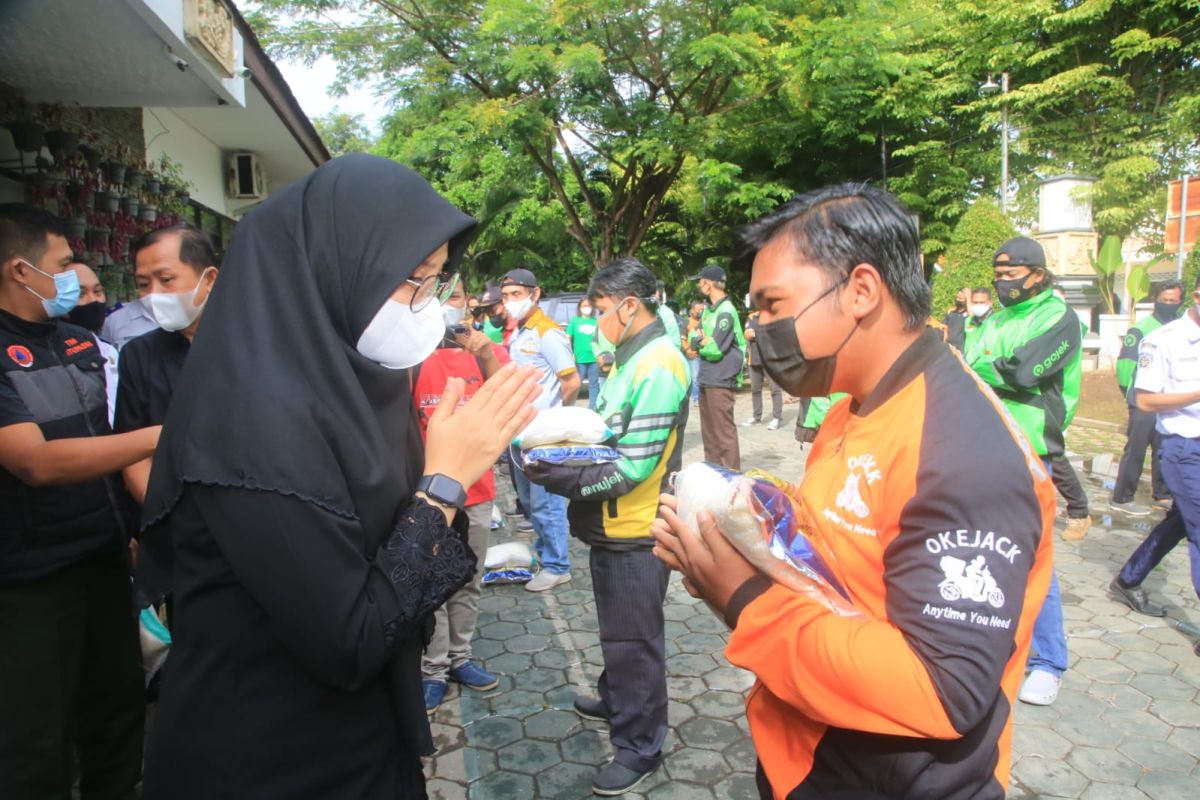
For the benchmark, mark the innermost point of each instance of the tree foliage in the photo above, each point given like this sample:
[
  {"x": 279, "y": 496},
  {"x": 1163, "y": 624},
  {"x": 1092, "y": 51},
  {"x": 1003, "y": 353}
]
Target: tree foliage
[
  {"x": 343, "y": 133},
  {"x": 968, "y": 262},
  {"x": 585, "y": 129}
]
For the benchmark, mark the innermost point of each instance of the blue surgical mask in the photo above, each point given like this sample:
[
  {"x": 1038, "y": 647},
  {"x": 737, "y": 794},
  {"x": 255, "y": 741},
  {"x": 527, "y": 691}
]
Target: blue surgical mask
[{"x": 66, "y": 292}]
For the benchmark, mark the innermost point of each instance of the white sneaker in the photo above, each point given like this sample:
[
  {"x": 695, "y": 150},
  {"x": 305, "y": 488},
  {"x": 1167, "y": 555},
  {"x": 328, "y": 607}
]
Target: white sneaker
[
  {"x": 773, "y": 425},
  {"x": 546, "y": 580},
  {"x": 1040, "y": 688},
  {"x": 751, "y": 421}
]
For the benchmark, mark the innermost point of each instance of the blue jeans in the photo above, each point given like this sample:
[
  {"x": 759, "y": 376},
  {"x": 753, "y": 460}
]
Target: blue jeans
[
  {"x": 1049, "y": 650},
  {"x": 591, "y": 374},
  {"x": 695, "y": 362},
  {"x": 1181, "y": 473},
  {"x": 548, "y": 513}
]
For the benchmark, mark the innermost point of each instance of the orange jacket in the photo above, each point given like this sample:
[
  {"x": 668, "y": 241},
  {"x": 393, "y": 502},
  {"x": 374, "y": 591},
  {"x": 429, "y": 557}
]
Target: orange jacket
[{"x": 948, "y": 551}]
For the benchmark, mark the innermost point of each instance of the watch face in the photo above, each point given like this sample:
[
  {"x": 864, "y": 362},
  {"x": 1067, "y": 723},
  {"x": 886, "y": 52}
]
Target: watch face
[{"x": 443, "y": 489}]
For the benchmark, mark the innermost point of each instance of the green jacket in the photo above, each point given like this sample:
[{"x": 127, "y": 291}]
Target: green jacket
[
  {"x": 1128, "y": 358},
  {"x": 645, "y": 403},
  {"x": 723, "y": 356},
  {"x": 1031, "y": 354},
  {"x": 818, "y": 407}
]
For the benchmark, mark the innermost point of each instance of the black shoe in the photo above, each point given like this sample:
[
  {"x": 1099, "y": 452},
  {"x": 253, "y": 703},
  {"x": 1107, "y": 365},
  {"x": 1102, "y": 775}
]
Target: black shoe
[
  {"x": 616, "y": 779},
  {"x": 1135, "y": 597},
  {"x": 591, "y": 708}
]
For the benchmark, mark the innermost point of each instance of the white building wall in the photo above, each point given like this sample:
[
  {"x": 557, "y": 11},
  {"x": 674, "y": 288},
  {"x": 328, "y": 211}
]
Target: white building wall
[{"x": 201, "y": 160}]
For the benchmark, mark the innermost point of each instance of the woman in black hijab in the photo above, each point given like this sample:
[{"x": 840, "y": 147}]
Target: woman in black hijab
[{"x": 281, "y": 512}]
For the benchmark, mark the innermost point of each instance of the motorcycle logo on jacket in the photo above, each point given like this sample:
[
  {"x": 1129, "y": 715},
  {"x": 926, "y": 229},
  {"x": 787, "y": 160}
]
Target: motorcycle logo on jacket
[
  {"x": 850, "y": 497},
  {"x": 972, "y": 580}
]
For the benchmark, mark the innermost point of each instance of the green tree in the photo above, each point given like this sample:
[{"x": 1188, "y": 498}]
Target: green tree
[
  {"x": 978, "y": 234},
  {"x": 343, "y": 133}
]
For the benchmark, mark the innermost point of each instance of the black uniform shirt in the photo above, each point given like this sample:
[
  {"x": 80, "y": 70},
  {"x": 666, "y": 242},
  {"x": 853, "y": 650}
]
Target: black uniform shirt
[
  {"x": 149, "y": 367},
  {"x": 52, "y": 374}
]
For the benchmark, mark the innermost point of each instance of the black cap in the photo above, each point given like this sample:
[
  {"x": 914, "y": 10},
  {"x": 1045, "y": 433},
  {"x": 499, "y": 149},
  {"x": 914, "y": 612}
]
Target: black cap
[
  {"x": 491, "y": 295},
  {"x": 519, "y": 277},
  {"x": 1020, "y": 252},
  {"x": 711, "y": 272}
]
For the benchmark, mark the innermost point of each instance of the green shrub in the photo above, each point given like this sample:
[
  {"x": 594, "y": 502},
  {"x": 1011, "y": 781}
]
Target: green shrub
[{"x": 980, "y": 231}]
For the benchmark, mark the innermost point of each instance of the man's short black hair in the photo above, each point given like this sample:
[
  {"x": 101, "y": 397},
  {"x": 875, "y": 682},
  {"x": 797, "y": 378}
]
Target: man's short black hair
[
  {"x": 838, "y": 227},
  {"x": 195, "y": 246},
  {"x": 983, "y": 290},
  {"x": 1166, "y": 286},
  {"x": 625, "y": 277},
  {"x": 23, "y": 231}
]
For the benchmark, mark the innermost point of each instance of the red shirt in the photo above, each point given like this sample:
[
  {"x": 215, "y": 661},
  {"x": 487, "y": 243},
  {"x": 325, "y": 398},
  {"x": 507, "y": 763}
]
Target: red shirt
[{"x": 445, "y": 363}]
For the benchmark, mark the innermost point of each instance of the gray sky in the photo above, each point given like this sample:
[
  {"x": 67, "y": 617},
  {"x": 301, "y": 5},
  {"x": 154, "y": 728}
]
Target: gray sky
[{"x": 310, "y": 85}]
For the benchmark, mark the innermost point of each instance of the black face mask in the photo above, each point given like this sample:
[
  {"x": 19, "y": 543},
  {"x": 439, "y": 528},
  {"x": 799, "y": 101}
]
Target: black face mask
[
  {"x": 1164, "y": 311},
  {"x": 89, "y": 315},
  {"x": 1012, "y": 292},
  {"x": 497, "y": 320},
  {"x": 784, "y": 362}
]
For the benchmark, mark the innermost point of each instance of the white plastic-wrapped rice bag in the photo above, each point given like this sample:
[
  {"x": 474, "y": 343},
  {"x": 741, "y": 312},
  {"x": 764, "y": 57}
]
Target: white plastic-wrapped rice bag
[
  {"x": 758, "y": 517},
  {"x": 563, "y": 425}
]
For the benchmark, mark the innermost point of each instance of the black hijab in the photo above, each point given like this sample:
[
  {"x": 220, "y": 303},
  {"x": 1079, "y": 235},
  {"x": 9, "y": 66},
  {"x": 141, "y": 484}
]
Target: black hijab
[{"x": 274, "y": 396}]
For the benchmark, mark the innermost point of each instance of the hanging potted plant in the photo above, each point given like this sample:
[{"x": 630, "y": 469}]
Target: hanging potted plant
[
  {"x": 108, "y": 202},
  {"x": 129, "y": 205},
  {"x": 114, "y": 172},
  {"x": 93, "y": 156},
  {"x": 61, "y": 142},
  {"x": 149, "y": 212},
  {"x": 98, "y": 237}
]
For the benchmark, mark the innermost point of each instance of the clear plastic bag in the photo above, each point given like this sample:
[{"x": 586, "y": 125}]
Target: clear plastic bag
[{"x": 757, "y": 516}]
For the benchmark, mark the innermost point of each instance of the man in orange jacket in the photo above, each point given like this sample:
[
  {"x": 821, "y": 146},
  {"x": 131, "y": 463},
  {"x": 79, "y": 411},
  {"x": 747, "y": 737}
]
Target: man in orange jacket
[{"x": 946, "y": 557}]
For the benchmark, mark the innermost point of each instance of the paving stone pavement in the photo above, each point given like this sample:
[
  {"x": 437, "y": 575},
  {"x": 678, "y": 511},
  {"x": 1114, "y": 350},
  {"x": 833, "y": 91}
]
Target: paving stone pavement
[{"x": 1126, "y": 723}]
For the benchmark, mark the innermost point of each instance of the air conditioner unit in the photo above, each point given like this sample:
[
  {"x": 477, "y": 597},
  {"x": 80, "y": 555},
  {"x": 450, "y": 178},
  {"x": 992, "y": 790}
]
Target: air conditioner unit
[{"x": 245, "y": 177}]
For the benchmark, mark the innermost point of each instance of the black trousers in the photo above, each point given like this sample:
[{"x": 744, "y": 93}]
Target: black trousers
[
  {"x": 1139, "y": 435},
  {"x": 71, "y": 678},
  {"x": 757, "y": 377},
  {"x": 630, "y": 587},
  {"x": 1062, "y": 474}
]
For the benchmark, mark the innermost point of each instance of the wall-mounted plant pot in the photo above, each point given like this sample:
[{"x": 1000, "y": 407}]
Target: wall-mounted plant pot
[
  {"x": 108, "y": 202},
  {"x": 153, "y": 185},
  {"x": 27, "y": 136},
  {"x": 129, "y": 205},
  {"x": 76, "y": 228},
  {"x": 62, "y": 143},
  {"x": 97, "y": 238},
  {"x": 93, "y": 157},
  {"x": 134, "y": 179},
  {"x": 184, "y": 196},
  {"x": 114, "y": 172},
  {"x": 149, "y": 213}
]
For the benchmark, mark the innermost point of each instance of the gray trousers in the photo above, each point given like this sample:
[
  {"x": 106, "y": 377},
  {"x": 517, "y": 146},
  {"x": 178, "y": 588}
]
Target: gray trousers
[
  {"x": 630, "y": 587},
  {"x": 1140, "y": 434},
  {"x": 757, "y": 377},
  {"x": 455, "y": 621}
]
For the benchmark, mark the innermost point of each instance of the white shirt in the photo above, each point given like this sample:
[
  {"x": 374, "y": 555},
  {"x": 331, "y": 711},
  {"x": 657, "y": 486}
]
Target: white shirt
[
  {"x": 111, "y": 375},
  {"x": 1169, "y": 363},
  {"x": 127, "y": 322}
]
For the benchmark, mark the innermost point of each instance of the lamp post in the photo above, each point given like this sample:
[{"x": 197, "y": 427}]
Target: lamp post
[{"x": 988, "y": 89}]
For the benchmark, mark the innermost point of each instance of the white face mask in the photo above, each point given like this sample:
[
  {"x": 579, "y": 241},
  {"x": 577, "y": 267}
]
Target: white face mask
[
  {"x": 174, "y": 311},
  {"x": 517, "y": 309},
  {"x": 399, "y": 338},
  {"x": 453, "y": 316},
  {"x": 980, "y": 309}
]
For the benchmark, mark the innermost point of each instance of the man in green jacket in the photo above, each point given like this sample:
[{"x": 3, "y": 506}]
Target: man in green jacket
[
  {"x": 722, "y": 349},
  {"x": 645, "y": 403},
  {"x": 1141, "y": 433},
  {"x": 1030, "y": 353}
]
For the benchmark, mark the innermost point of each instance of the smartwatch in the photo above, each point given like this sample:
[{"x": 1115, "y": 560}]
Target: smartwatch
[{"x": 443, "y": 489}]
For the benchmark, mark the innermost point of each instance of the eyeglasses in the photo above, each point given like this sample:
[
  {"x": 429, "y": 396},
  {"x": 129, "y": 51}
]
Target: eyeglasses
[{"x": 427, "y": 288}]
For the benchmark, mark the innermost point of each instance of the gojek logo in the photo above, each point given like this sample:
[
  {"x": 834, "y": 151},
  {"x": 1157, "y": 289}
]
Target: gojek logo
[{"x": 1039, "y": 369}]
